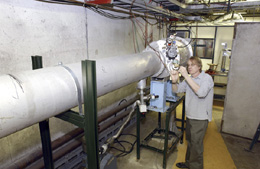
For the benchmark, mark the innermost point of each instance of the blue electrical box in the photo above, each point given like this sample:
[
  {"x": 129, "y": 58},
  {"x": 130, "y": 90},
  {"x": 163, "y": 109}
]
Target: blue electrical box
[
  {"x": 162, "y": 89},
  {"x": 158, "y": 88}
]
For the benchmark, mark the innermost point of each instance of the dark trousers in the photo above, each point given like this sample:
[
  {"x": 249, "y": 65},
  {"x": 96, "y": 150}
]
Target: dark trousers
[{"x": 195, "y": 132}]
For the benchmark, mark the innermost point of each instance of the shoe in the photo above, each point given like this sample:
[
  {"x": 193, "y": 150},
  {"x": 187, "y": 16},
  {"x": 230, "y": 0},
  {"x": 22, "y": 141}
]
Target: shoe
[{"x": 181, "y": 165}]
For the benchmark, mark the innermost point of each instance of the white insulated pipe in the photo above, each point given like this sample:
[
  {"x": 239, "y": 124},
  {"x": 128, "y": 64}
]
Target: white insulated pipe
[{"x": 32, "y": 96}]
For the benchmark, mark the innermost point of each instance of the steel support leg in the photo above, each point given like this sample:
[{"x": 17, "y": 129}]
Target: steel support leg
[
  {"x": 256, "y": 137},
  {"x": 159, "y": 120},
  {"x": 44, "y": 126},
  {"x": 165, "y": 151},
  {"x": 46, "y": 144},
  {"x": 137, "y": 133},
  {"x": 182, "y": 120},
  {"x": 166, "y": 131},
  {"x": 90, "y": 109}
]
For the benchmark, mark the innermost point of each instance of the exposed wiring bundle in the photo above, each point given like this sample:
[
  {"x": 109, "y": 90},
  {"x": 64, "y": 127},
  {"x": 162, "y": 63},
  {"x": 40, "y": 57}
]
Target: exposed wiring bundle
[
  {"x": 114, "y": 139},
  {"x": 101, "y": 9}
]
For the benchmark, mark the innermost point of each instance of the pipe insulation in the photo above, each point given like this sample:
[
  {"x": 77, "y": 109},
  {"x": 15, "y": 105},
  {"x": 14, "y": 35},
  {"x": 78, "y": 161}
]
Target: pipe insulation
[
  {"x": 29, "y": 97},
  {"x": 32, "y": 96}
]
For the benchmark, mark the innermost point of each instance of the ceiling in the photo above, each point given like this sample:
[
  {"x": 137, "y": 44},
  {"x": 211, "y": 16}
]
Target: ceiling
[{"x": 191, "y": 10}]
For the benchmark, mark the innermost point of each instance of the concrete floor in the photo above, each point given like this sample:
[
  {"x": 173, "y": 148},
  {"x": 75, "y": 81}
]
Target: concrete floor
[
  {"x": 228, "y": 155},
  {"x": 236, "y": 145},
  {"x": 149, "y": 159}
]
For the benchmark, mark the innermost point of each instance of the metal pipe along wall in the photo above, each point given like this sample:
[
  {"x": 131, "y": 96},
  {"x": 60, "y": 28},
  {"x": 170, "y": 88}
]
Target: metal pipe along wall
[{"x": 32, "y": 96}]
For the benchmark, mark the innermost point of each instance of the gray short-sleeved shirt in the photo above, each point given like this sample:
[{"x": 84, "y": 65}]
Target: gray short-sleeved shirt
[{"x": 198, "y": 105}]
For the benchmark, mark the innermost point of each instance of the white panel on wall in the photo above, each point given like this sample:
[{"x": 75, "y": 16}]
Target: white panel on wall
[{"x": 241, "y": 111}]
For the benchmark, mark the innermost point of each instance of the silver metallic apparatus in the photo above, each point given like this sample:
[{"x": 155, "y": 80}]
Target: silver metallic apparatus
[{"x": 29, "y": 97}]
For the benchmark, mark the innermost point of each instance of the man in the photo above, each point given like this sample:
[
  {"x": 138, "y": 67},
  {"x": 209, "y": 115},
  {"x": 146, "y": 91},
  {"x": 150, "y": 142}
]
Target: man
[{"x": 198, "y": 104}]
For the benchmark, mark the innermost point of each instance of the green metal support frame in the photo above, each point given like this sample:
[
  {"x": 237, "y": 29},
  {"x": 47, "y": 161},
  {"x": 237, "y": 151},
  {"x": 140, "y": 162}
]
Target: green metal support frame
[
  {"x": 88, "y": 121},
  {"x": 44, "y": 126},
  {"x": 90, "y": 109},
  {"x": 72, "y": 117},
  {"x": 138, "y": 115},
  {"x": 166, "y": 150}
]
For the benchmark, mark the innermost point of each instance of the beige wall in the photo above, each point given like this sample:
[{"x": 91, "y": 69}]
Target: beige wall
[{"x": 223, "y": 34}]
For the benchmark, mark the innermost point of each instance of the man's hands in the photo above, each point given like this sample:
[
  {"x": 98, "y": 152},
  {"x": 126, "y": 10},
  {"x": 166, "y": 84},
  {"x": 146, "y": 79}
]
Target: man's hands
[
  {"x": 183, "y": 72},
  {"x": 174, "y": 76}
]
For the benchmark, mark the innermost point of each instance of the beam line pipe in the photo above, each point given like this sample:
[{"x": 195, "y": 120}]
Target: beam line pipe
[{"x": 29, "y": 97}]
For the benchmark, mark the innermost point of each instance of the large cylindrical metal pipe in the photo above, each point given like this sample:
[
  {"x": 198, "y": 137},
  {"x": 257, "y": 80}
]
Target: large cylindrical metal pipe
[{"x": 32, "y": 96}]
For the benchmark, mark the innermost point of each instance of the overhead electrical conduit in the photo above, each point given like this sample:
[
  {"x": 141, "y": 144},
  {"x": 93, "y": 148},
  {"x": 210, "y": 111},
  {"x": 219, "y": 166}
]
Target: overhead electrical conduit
[{"x": 29, "y": 97}]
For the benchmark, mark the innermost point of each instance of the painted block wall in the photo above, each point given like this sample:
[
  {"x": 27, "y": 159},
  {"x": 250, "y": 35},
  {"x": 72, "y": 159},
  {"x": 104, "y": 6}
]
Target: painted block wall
[
  {"x": 35, "y": 28},
  {"x": 28, "y": 28},
  {"x": 60, "y": 33}
]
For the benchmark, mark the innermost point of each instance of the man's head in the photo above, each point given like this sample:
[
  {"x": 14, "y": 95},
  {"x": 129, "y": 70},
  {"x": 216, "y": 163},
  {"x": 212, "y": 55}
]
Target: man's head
[{"x": 194, "y": 66}]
